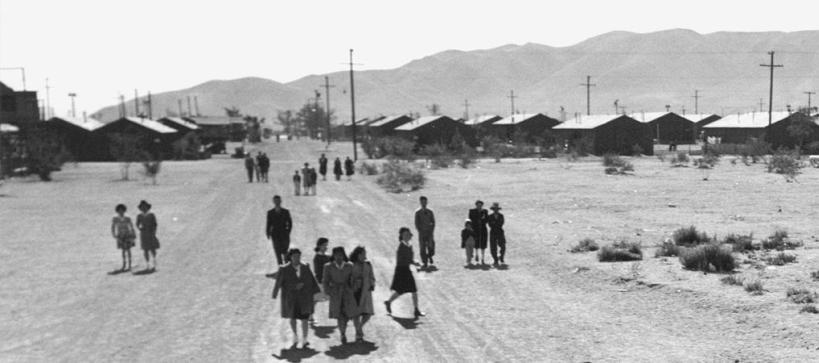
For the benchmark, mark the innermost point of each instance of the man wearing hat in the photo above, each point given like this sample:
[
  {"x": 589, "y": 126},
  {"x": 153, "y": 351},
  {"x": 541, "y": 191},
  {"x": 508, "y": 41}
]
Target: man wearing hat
[
  {"x": 478, "y": 216},
  {"x": 496, "y": 236}
]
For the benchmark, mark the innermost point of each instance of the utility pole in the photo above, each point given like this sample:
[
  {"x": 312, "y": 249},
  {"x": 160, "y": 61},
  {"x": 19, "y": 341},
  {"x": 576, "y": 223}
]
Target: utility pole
[
  {"x": 189, "y": 106},
  {"x": 466, "y": 110},
  {"x": 196, "y": 105},
  {"x": 809, "y": 93},
  {"x": 150, "y": 107},
  {"x": 352, "y": 106},
  {"x": 122, "y": 110},
  {"x": 696, "y": 98},
  {"x": 770, "y": 91},
  {"x": 136, "y": 103},
  {"x": 512, "y": 100},
  {"x": 327, "y": 87},
  {"x": 73, "y": 109},
  {"x": 761, "y": 104},
  {"x": 48, "y": 100},
  {"x": 588, "y": 86},
  {"x": 179, "y": 107}
]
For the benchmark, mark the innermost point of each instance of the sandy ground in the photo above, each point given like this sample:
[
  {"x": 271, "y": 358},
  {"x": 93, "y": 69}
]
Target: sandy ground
[{"x": 210, "y": 299}]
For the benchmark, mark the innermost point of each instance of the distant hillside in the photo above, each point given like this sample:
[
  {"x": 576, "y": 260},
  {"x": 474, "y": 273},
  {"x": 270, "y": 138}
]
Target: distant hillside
[{"x": 643, "y": 71}]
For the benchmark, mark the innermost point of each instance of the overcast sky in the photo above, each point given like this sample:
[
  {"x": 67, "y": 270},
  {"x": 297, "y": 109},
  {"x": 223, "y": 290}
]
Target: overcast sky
[{"x": 102, "y": 48}]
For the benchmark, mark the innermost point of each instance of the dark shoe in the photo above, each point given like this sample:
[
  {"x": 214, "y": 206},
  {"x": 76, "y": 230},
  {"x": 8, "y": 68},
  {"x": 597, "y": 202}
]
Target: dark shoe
[
  {"x": 389, "y": 309},
  {"x": 418, "y": 313},
  {"x": 343, "y": 339},
  {"x": 431, "y": 262}
]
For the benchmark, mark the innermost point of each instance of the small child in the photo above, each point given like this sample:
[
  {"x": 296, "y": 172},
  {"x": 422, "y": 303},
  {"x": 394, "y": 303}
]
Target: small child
[
  {"x": 297, "y": 183},
  {"x": 319, "y": 261},
  {"x": 123, "y": 231},
  {"x": 468, "y": 241}
]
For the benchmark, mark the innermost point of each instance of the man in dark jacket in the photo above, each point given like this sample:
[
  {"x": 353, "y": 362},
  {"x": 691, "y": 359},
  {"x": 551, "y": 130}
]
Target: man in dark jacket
[
  {"x": 250, "y": 166},
  {"x": 497, "y": 239},
  {"x": 278, "y": 229},
  {"x": 323, "y": 167}
]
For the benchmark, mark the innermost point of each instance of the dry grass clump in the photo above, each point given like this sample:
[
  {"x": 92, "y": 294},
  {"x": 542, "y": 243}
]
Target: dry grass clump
[
  {"x": 780, "y": 259},
  {"x": 368, "y": 169},
  {"x": 586, "y": 245},
  {"x": 800, "y": 296},
  {"x": 740, "y": 243},
  {"x": 779, "y": 241},
  {"x": 689, "y": 236},
  {"x": 398, "y": 177},
  {"x": 809, "y": 308},
  {"x": 734, "y": 280},
  {"x": 620, "y": 251},
  {"x": 680, "y": 159},
  {"x": 615, "y": 165},
  {"x": 814, "y": 275},
  {"x": 754, "y": 288},
  {"x": 707, "y": 257},
  {"x": 667, "y": 249}
]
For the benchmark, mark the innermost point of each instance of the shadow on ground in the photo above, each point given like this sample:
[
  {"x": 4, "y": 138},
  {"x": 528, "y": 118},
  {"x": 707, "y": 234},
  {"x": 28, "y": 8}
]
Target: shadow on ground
[
  {"x": 483, "y": 267},
  {"x": 117, "y": 272},
  {"x": 146, "y": 271},
  {"x": 294, "y": 354},
  {"x": 345, "y": 351},
  {"x": 407, "y": 323},
  {"x": 323, "y": 332}
]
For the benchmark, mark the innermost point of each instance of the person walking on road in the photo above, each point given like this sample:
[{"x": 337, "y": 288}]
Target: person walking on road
[
  {"x": 349, "y": 167},
  {"x": 264, "y": 166},
  {"x": 279, "y": 225},
  {"x": 468, "y": 241},
  {"x": 146, "y": 223},
  {"x": 336, "y": 281},
  {"x": 496, "y": 235},
  {"x": 402, "y": 280},
  {"x": 313, "y": 180},
  {"x": 478, "y": 217},
  {"x": 122, "y": 229},
  {"x": 305, "y": 178},
  {"x": 323, "y": 167},
  {"x": 297, "y": 183},
  {"x": 319, "y": 260},
  {"x": 250, "y": 166},
  {"x": 298, "y": 285},
  {"x": 362, "y": 282},
  {"x": 425, "y": 224},
  {"x": 337, "y": 169},
  {"x": 258, "y": 164}
]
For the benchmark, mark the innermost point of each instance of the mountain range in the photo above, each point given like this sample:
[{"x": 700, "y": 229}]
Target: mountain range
[{"x": 642, "y": 71}]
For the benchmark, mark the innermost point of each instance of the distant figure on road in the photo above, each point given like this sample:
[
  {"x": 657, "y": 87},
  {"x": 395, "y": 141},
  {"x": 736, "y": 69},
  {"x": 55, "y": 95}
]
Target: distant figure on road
[
  {"x": 146, "y": 223},
  {"x": 122, "y": 229},
  {"x": 336, "y": 279},
  {"x": 478, "y": 217},
  {"x": 496, "y": 235},
  {"x": 298, "y": 285},
  {"x": 425, "y": 224},
  {"x": 402, "y": 280},
  {"x": 297, "y": 183},
  {"x": 305, "y": 178},
  {"x": 349, "y": 167},
  {"x": 468, "y": 241},
  {"x": 362, "y": 282},
  {"x": 258, "y": 163},
  {"x": 337, "y": 169},
  {"x": 250, "y": 166},
  {"x": 313, "y": 180},
  {"x": 279, "y": 225},
  {"x": 264, "y": 166},
  {"x": 323, "y": 167}
]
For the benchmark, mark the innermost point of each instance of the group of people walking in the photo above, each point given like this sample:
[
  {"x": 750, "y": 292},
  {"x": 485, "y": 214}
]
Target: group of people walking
[
  {"x": 305, "y": 182},
  {"x": 474, "y": 235},
  {"x": 124, "y": 233},
  {"x": 258, "y": 166}
]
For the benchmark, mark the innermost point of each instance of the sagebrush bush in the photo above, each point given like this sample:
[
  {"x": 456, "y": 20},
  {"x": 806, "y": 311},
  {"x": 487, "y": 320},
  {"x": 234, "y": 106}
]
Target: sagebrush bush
[
  {"x": 814, "y": 275},
  {"x": 754, "y": 287},
  {"x": 680, "y": 159},
  {"x": 585, "y": 245},
  {"x": 786, "y": 163},
  {"x": 741, "y": 243},
  {"x": 689, "y": 236},
  {"x": 620, "y": 251},
  {"x": 707, "y": 257},
  {"x": 614, "y": 164},
  {"x": 734, "y": 280},
  {"x": 366, "y": 168},
  {"x": 810, "y": 309},
  {"x": 780, "y": 259},
  {"x": 667, "y": 249},
  {"x": 779, "y": 241},
  {"x": 398, "y": 177},
  {"x": 467, "y": 157},
  {"x": 800, "y": 296},
  {"x": 708, "y": 161}
]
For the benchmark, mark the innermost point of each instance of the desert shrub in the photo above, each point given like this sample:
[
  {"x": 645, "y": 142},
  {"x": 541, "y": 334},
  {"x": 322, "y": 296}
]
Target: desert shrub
[
  {"x": 754, "y": 287},
  {"x": 707, "y": 257},
  {"x": 780, "y": 259},
  {"x": 667, "y": 249},
  {"x": 151, "y": 169},
  {"x": 708, "y": 161},
  {"x": 800, "y": 296},
  {"x": 467, "y": 157},
  {"x": 548, "y": 152},
  {"x": 779, "y": 241},
  {"x": 399, "y": 176},
  {"x": 42, "y": 151},
  {"x": 370, "y": 147},
  {"x": 786, "y": 163},
  {"x": 582, "y": 146},
  {"x": 814, "y": 275},
  {"x": 620, "y": 251},
  {"x": 393, "y": 146},
  {"x": 809, "y": 308},
  {"x": 689, "y": 236},
  {"x": 740, "y": 243},
  {"x": 616, "y": 165},
  {"x": 680, "y": 159},
  {"x": 661, "y": 157},
  {"x": 493, "y": 147},
  {"x": 585, "y": 245},
  {"x": 366, "y": 168},
  {"x": 734, "y": 280}
]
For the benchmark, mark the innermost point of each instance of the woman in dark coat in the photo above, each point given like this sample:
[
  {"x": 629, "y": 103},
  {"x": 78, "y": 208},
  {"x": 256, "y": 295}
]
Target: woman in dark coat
[
  {"x": 323, "y": 167},
  {"x": 298, "y": 285},
  {"x": 403, "y": 281},
  {"x": 362, "y": 283},
  {"x": 479, "y": 216},
  {"x": 336, "y": 282},
  {"x": 146, "y": 223},
  {"x": 337, "y": 169},
  {"x": 319, "y": 260},
  {"x": 349, "y": 167}
]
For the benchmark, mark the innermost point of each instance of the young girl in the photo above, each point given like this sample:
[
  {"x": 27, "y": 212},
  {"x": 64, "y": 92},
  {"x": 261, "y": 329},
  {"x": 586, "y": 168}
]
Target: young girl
[
  {"x": 123, "y": 231},
  {"x": 362, "y": 282},
  {"x": 468, "y": 241},
  {"x": 319, "y": 261},
  {"x": 146, "y": 222}
]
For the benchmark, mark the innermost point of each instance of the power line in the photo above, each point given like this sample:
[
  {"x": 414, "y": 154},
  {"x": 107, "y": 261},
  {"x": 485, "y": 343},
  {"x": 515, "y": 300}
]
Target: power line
[
  {"x": 770, "y": 92},
  {"x": 588, "y": 85}
]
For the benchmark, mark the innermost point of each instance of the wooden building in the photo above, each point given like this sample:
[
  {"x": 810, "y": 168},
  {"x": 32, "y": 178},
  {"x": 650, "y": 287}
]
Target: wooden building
[
  {"x": 18, "y": 108},
  {"x": 431, "y": 130},
  {"x": 387, "y": 125},
  {"x": 667, "y": 127},
  {"x": 152, "y": 137},
  {"x": 532, "y": 126},
  {"x": 179, "y": 124},
  {"x": 219, "y": 128},
  {"x": 78, "y": 137},
  {"x": 741, "y": 128},
  {"x": 482, "y": 124},
  {"x": 605, "y": 133}
]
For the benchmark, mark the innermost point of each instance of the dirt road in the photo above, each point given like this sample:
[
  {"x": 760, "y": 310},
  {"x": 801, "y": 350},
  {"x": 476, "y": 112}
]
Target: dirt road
[{"x": 210, "y": 299}]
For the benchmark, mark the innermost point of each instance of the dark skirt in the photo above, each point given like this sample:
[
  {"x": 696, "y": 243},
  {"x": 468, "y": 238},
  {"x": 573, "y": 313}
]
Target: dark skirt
[
  {"x": 480, "y": 238},
  {"x": 402, "y": 280},
  {"x": 148, "y": 241}
]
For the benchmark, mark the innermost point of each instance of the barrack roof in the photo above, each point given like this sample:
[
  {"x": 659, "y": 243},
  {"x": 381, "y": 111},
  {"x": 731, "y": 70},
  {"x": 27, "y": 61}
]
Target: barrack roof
[{"x": 751, "y": 120}]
